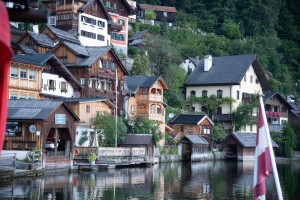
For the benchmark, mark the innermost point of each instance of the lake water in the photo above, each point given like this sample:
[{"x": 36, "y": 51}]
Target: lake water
[{"x": 202, "y": 180}]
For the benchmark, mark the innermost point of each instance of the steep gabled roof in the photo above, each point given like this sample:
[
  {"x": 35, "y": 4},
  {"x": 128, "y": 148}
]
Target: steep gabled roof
[
  {"x": 138, "y": 139},
  {"x": 195, "y": 61},
  {"x": 89, "y": 2},
  {"x": 192, "y": 119},
  {"x": 34, "y": 109},
  {"x": 157, "y": 8},
  {"x": 269, "y": 94},
  {"x": 43, "y": 40},
  {"x": 195, "y": 139},
  {"x": 94, "y": 54},
  {"x": 26, "y": 49},
  {"x": 133, "y": 83},
  {"x": 248, "y": 139},
  {"x": 43, "y": 60},
  {"x": 76, "y": 48},
  {"x": 227, "y": 70},
  {"x": 63, "y": 35}
]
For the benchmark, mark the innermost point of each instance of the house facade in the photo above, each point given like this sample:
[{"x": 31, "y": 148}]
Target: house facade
[
  {"x": 164, "y": 14},
  {"x": 189, "y": 64},
  {"x": 237, "y": 77},
  {"x": 192, "y": 124},
  {"x": 144, "y": 98},
  {"x": 86, "y": 109},
  {"x": 24, "y": 80}
]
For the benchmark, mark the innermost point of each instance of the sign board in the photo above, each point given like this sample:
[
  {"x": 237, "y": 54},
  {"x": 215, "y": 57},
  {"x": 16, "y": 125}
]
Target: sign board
[
  {"x": 32, "y": 128},
  {"x": 60, "y": 118},
  {"x": 13, "y": 129}
]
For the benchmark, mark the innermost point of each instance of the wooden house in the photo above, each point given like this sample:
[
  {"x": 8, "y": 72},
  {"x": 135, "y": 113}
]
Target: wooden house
[
  {"x": 144, "y": 98},
  {"x": 244, "y": 77},
  {"x": 98, "y": 69},
  {"x": 192, "y": 124},
  {"x": 59, "y": 35},
  {"x": 164, "y": 14},
  {"x": 294, "y": 120},
  {"x": 38, "y": 42},
  {"x": 86, "y": 109},
  {"x": 241, "y": 146},
  {"x": 141, "y": 140},
  {"x": 194, "y": 148},
  {"x": 46, "y": 124},
  {"x": 15, "y": 35},
  {"x": 25, "y": 78}
]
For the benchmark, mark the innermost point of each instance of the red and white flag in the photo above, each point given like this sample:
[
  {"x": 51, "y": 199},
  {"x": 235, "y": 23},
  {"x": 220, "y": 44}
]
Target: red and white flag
[{"x": 264, "y": 157}]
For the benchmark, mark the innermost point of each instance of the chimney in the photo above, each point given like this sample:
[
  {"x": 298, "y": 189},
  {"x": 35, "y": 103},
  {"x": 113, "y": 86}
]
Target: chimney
[{"x": 207, "y": 63}]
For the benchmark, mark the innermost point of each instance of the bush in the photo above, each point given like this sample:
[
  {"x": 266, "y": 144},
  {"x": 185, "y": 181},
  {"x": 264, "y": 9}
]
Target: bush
[
  {"x": 91, "y": 157},
  {"x": 164, "y": 151},
  {"x": 174, "y": 151}
]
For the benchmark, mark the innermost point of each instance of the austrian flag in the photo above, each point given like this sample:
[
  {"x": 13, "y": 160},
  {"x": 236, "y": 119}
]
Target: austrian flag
[{"x": 264, "y": 157}]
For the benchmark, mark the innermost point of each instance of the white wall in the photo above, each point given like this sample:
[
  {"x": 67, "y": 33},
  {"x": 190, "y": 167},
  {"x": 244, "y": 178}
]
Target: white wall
[
  {"x": 57, "y": 91},
  {"x": 86, "y": 41},
  {"x": 187, "y": 64}
]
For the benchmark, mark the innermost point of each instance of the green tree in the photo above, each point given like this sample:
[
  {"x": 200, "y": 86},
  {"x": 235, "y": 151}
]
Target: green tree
[
  {"x": 231, "y": 30},
  {"x": 218, "y": 133},
  {"x": 140, "y": 65},
  {"x": 141, "y": 125},
  {"x": 290, "y": 140},
  {"x": 149, "y": 15},
  {"x": 105, "y": 125}
]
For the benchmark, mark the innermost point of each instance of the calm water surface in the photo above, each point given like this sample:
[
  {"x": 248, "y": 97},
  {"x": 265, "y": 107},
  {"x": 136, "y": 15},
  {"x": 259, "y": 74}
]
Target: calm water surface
[{"x": 203, "y": 180}]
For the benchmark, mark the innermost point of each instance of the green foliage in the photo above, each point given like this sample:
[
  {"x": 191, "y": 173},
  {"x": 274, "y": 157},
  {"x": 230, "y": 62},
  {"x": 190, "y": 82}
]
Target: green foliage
[
  {"x": 133, "y": 50},
  {"x": 105, "y": 125},
  {"x": 91, "y": 157},
  {"x": 218, "y": 133},
  {"x": 150, "y": 15},
  {"x": 33, "y": 155},
  {"x": 140, "y": 65},
  {"x": 290, "y": 141},
  {"x": 164, "y": 151},
  {"x": 231, "y": 30},
  {"x": 83, "y": 138},
  {"x": 174, "y": 151},
  {"x": 141, "y": 125}
]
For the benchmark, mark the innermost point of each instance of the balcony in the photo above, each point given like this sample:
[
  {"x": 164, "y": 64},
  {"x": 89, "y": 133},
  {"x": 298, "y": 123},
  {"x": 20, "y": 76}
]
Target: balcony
[
  {"x": 67, "y": 7},
  {"x": 157, "y": 117},
  {"x": 158, "y": 98},
  {"x": 273, "y": 114}
]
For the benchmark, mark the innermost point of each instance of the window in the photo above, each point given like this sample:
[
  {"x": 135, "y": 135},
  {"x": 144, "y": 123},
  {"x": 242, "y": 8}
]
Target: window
[
  {"x": 113, "y": 66},
  {"x": 82, "y": 81},
  {"x": 121, "y": 21},
  {"x": 22, "y": 96},
  {"x": 251, "y": 79},
  {"x": 165, "y": 14},
  {"x": 152, "y": 109},
  {"x": 101, "y": 24},
  {"x": 204, "y": 93},
  {"x": 63, "y": 85},
  {"x": 193, "y": 93},
  {"x": 52, "y": 20},
  {"x": 220, "y": 93},
  {"x": 245, "y": 79},
  {"x": 23, "y": 73},
  {"x": 132, "y": 109},
  {"x": 191, "y": 130},
  {"x": 88, "y": 34},
  {"x": 31, "y": 74},
  {"x": 237, "y": 94},
  {"x": 251, "y": 128},
  {"x": 14, "y": 72},
  {"x": 31, "y": 97},
  {"x": 181, "y": 129},
  {"x": 108, "y": 86},
  {"x": 283, "y": 109},
  {"x": 207, "y": 131},
  {"x": 88, "y": 108},
  {"x": 51, "y": 84},
  {"x": 104, "y": 63},
  {"x": 159, "y": 110},
  {"x": 219, "y": 110},
  {"x": 116, "y": 36},
  {"x": 64, "y": 59},
  {"x": 144, "y": 90},
  {"x": 13, "y": 96},
  {"x": 204, "y": 109},
  {"x": 100, "y": 37}
]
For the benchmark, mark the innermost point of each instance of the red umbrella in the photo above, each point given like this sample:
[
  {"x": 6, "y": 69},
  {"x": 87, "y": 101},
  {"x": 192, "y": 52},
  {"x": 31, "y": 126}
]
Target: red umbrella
[{"x": 5, "y": 55}]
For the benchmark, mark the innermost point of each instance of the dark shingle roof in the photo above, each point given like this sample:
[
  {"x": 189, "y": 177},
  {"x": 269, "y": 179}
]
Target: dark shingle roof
[
  {"x": 224, "y": 71},
  {"x": 138, "y": 35},
  {"x": 248, "y": 139},
  {"x": 133, "y": 83},
  {"x": 95, "y": 53},
  {"x": 195, "y": 139},
  {"x": 36, "y": 59},
  {"x": 195, "y": 61},
  {"x": 77, "y": 48},
  {"x": 41, "y": 39},
  {"x": 76, "y": 100},
  {"x": 26, "y": 49},
  {"x": 63, "y": 35},
  {"x": 157, "y": 8},
  {"x": 138, "y": 139},
  {"x": 38, "y": 109},
  {"x": 186, "y": 119}
]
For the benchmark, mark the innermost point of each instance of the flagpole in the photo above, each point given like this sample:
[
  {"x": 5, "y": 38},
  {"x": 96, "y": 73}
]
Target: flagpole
[
  {"x": 116, "y": 113},
  {"x": 274, "y": 168}
]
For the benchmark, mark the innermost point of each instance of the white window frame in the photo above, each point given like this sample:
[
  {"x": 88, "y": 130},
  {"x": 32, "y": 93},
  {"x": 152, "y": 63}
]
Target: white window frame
[{"x": 14, "y": 72}]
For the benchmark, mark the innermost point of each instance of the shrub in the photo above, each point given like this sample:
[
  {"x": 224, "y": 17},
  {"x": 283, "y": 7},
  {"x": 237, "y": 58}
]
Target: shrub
[{"x": 91, "y": 157}]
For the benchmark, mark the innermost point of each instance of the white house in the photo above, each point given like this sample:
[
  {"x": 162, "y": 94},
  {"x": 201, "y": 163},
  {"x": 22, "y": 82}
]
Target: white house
[
  {"x": 236, "y": 76},
  {"x": 189, "y": 64}
]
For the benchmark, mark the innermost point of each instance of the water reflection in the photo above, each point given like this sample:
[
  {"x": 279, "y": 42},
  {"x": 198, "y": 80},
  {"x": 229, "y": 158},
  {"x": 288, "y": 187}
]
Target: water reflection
[{"x": 203, "y": 180}]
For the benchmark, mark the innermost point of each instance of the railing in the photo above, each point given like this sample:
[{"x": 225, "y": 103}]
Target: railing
[
  {"x": 67, "y": 7},
  {"x": 156, "y": 98}
]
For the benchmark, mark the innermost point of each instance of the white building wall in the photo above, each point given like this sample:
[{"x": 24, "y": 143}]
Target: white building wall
[
  {"x": 96, "y": 29},
  {"x": 187, "y": 64},
  {"x": 57, "y": 91}
]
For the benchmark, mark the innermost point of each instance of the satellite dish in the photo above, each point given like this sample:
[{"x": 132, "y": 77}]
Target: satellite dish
[
  {"x": 171, "y": 115},
  {"x": 124, "y": 92},
  {"x": 76, "y": 94}
]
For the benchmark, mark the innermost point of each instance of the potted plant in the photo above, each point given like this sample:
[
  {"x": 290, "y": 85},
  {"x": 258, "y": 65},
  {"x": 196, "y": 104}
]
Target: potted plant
[{"x": 92, "y": 158}]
